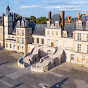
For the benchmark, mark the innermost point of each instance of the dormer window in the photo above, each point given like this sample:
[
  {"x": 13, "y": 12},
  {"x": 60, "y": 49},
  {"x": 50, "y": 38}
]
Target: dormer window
[
  {"x": 86, "y": 25},
  {"x": 57, "y": 24},
  {"x": 79, "y": 24},
  {"x": 48, "y": 24}
]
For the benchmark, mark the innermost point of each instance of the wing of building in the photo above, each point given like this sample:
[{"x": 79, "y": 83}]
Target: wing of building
[{"x": 20, "y": 35}]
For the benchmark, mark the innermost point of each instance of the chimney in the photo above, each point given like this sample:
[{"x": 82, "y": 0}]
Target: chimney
[
  {"x": 2, "y": 14},
  {"x": 68, "y": 18},
  {"x": 87, "y": 13},
  {"x": 71, "y": 18},
  {"x": 78, "y": 16},
  {"x": 13, "y": 17},
  {"x": 49, "y": 16},
  {"x": 63, "y": 22}
]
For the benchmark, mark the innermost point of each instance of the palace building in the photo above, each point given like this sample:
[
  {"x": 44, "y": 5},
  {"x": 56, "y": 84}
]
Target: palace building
[{"x": 68, "y": 40}]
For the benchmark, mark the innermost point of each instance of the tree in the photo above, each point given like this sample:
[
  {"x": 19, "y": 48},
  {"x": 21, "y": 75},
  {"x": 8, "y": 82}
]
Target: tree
[{"x": 41, "y": 20}]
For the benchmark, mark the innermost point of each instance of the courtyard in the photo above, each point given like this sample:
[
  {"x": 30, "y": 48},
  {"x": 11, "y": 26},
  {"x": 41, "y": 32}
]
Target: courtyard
[{"x": 65, "y": 75}]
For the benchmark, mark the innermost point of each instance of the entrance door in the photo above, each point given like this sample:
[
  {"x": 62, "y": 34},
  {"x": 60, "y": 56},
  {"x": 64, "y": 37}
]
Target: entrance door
[{"x": 52, "y": 44}]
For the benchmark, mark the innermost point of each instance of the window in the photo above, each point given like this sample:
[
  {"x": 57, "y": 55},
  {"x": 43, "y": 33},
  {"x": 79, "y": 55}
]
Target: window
[
  {"x": 22, "y": 49},
  {"x": 28, "y": 40},
  {"x": 27, "y": 32},
  {"x": 10, "y": 45},
  {"x": 32, "y": 40},
  {"x": 48, "y": 42},
  {"x": 22, "y": 32},
  {"x": 48, "y": 25},
  {"x": 17, "y": 32},
  {"x": 6, "y": 45},
  {"x": 87, "y": 48},
  {"x": 48, "y": 32},
  {"x": 56, "y": 25},
  {"x": 79, "y": 36},
  {"x": 22, "y": 40},
  {"x": 42, "y": 41},
  {"x": 72, "y": 57},
  {"x": 56, "y": 32},
  {"x": 79, "y": 25},
  {"x": 18, "y": 47},
  {"x": 87, "y": 25},
  {"x": 56, "y": 43},
  {"x": 18, "y": 40},
  {"x": 87, "y": 37},
  {"x": 65, "y": 44},
  {"x": 79, "y": 47},
  {"x": 37, "y": 40},
  {"x": 52, "y": 32}
]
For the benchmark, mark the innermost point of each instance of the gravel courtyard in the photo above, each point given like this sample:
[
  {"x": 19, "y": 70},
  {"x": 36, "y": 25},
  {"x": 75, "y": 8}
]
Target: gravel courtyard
[{"x": 65, "y": 76}]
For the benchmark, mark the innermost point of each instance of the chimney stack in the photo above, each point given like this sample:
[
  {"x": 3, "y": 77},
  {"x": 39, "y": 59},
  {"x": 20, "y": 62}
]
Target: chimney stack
[
  {"x": 49, "y": 16},
  {"x": 63, "y": 22},
  {"x": 87, "y": 13},
  {"x": 68, "y": 18},
  {"x": 13, "y": 17},
  {"x": 78, "y": 16}
]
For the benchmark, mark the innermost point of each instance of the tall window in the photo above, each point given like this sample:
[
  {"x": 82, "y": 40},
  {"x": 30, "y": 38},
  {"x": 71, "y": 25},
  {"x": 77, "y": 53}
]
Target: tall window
[
  {"x": 18, "y": 40},
  {"x": 52, "y": 32},
  {"x": 72, "y": 57},
  {"x": 56, "y": 32},
  {"x": 79, "y": 47},
  {"x": 79, "y": 36},
  {"x": 87, "y": 48},
  {"x": 48, "y": 32},
  {"x": 32, "y": 40},
  {"x": 56, "y": 43},
  {"x": 22, "y": 32},
  {"x": 87, "y": 37},
  {"x": 42, "y": 41},
  {"x": 18, "y": 47},
  {"x": 37, "y": 40},
  {"x": 22, "y": 40},
  {"x": 10, "y": 45},
  {"x": 48, "y": 42},
  {"x": 6, "y": 45},
  {"x": 17, "y": 32},
  {"x": 27, "y": 32}
]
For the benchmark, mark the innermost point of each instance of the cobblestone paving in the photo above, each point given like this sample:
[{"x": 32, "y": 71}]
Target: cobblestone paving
[{"x": 63, "y": 76}]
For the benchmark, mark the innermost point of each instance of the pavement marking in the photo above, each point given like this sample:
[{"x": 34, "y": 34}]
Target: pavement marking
[
  {"x": 58, "y": 75},
  {"x": 19, "y": 73},
  {"x": 8, "y": 84}
]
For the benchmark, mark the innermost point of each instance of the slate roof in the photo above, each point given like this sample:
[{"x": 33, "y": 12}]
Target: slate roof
[
  {"x": 55, "y": 17},
  {"x": 70, "y": 27},
  {"x": 84, "y": 18},
  {"x": 39, "y": 29}
]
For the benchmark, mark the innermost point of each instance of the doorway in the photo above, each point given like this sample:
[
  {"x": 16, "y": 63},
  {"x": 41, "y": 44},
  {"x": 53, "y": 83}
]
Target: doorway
[{"x": 52, "y": 44}]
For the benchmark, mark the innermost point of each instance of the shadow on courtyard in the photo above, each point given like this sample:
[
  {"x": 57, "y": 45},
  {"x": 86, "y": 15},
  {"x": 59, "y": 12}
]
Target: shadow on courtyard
[
  {"x": 18, "y": 85},
  {"x": 59, "y": 84},
  {"x": 2, "y": 77},
  {"x": 4, "y": 63},
  {"x": 1, "y": 48}
]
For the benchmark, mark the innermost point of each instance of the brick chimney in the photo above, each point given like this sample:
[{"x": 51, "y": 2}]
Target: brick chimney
[
  {"x": 2, "y": 14},
  {"x": 63, "y": 22},
  {"x": 13, "y": 17},
  {"x": 87, "y": 13},
  {"x": 68, "y": 18},
  {"x": 49, "y": 16},
  {"x": 78, "y": 16}
]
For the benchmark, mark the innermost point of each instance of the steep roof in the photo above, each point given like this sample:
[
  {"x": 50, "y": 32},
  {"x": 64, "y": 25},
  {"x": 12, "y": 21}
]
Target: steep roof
[
  {"x": 55, "y": 17},
  {"x": 70, "y": 27},
  {"x": 38, "y": 29}
]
